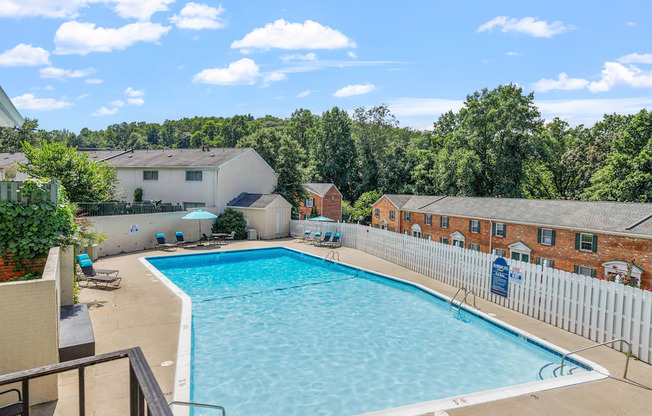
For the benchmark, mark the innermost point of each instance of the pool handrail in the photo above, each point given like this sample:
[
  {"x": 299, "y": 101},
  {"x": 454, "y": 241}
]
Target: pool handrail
[
  {"x": 200, "y": 405},
  {"x": 629, "y": 353},
  {"x": 466, "y": 293}
]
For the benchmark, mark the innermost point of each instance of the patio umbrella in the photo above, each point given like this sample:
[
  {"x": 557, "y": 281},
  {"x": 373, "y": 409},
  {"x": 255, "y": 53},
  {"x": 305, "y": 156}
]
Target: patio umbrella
[
  {"x": 199, "y": 214},
  {"x": 320, "y": 218}
]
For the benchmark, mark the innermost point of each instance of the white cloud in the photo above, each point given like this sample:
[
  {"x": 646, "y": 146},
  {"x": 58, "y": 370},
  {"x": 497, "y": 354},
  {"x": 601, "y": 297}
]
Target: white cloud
[
  {"x": 117, "y": 103},
  {"x": 304, "y": 93},
  {"x": 275, "y": 77},
  {"x": 93, "y": 81},
  {"x": 43, "y": 8},
  {"x": 82, "y": 38},
  {"x": 48, "y": 88},
  {"x": 588, "y": 111},
  {"x": 130, "y": 92},
  {"x": 24, "y": 55},
  {"x": 527, "y": 25},
  {"x": 352, "y": 55},
  {"x": 242, "y": 72},
  {"x": 512, "y": 53},
  {"x": 139, "y": 9},
  {"x": 62, "y": 74},
  {"x": 103, "y": 111},
  {"x": 197, "y": 16},
  {"x": 30, "y": 102},
  {"x": 357, "y": 89},
  {"x": 631, "y": 23},
  {"x": 311, "y": 56},
  {"x": 635, "y": 58},
  {"x": 285, "y": 35},
  {"x": 135, "y": 101},
  {"x": 81, "y": 97},
  {"x": 615, "y": 74},
  {"x": 562, "y": 83}
]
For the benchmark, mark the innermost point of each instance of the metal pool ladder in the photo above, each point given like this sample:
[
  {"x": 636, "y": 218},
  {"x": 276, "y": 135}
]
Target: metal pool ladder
[
  {"x": 629, "y": 353},
  {"x": 200, "y": 405},
  {"x": 332, "y": 255},
  {"x": 467, "y": 292}
]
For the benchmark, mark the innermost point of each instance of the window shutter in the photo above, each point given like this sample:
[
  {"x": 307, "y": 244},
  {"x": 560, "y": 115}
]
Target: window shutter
[
  {"x": 592, "y": 272},
  {"x": 577, "y": 242},
  {"x": 551, "y": 263},
  {"x": 576, "y": 269},
  {"x": 554, "y": 236},
  {"x": 539, "y": 232},
  {"x": 493, "y": 229},
  {"x": 470, "y": 225},
  {"x": 462, "y": 244},
  {"x": 479, "y": 224},
  {"x": 538, "y": 261},
  {"x": 505, "y": 230},
  {"x": 595, "y": 245},
  {"x": 441, "y": 222}
]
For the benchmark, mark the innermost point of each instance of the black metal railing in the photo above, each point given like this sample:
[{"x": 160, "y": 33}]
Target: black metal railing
[
  {"x": 99, "y": 209},
  {"x": 145, "y": 395}
]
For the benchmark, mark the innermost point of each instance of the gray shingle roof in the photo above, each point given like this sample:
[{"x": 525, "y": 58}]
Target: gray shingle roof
[
  {"x": 399, "y": 200},
  {"x": 247, "y": 200},
  {"x": 161, "y": 158},
  {"x": 589, "y": 215},
  {"x": 318, "y": 188}
]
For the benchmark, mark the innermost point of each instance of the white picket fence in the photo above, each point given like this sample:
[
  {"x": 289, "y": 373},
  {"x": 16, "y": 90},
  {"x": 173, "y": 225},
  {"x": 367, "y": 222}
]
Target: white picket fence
[{"x": 595, "y": 309}]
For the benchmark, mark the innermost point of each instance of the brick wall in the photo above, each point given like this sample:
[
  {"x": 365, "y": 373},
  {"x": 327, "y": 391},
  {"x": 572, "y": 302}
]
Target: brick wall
[
  {"x": 564, "y": 253},
  {"x": 384, "y": 206},
  {"x": 332, "y": 205},
  {"x": 307, "y": 210},
  {"x": 9, "y": 269}
]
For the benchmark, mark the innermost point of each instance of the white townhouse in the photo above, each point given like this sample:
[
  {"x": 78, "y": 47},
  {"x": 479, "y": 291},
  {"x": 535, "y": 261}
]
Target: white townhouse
[{"x": 189, "y": 177}]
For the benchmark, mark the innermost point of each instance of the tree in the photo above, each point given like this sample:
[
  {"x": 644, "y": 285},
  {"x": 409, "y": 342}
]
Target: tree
[
  {"x": 627, "y": 172},
  {"x": 363, "y": 207},
  {"x": 230, "y": 220},
  {"x": 84, "y": 180},
  {"x": 290, "y": 176}
]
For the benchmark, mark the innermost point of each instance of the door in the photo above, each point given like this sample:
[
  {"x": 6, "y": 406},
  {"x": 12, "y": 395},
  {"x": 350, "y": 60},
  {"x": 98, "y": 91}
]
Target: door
[{"x": 278, "y": 222}]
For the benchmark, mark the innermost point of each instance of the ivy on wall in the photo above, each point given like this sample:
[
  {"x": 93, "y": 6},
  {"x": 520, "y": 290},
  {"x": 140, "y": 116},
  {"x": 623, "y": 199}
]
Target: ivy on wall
[{"x": 29, "y": 230}]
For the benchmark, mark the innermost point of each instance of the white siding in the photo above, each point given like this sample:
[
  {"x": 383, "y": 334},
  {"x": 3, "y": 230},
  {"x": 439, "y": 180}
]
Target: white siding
[{"x": 246, "y": 173}]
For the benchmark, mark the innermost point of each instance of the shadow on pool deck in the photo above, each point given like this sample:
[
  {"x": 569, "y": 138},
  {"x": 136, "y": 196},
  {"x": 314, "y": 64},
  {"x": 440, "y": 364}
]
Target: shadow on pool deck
[{"x": 143, "y": 312}]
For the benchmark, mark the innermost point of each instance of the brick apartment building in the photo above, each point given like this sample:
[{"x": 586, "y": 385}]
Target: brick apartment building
[
  {"x": 583, "y": 237},
  {"x": 326, "y": 197}
]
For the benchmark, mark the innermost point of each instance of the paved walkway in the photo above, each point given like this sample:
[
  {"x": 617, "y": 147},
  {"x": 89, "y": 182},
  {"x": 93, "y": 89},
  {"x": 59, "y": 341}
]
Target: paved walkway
[{"x": 143, "y": 312}]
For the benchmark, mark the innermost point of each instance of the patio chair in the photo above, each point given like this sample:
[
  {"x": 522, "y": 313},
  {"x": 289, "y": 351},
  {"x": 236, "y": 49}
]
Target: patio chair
[
  {"x": 230, "y": 237},
  {"x": 12, "y": 409},
  {"x": 316, "y": 237},
  {"x": 325, "y": 241},
  {"x": 90, "y": 276},
  {"x": 306, "y": 236},
  {"x": 81, "y": 257},
  {"x": 335, "y": 242},
  {"x": 180, "y": 240},
  {"x": 160, "y": 238}
]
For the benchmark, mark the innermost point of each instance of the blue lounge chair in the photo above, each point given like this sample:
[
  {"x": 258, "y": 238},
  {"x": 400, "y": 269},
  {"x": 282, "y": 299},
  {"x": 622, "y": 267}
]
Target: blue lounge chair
[
  {"x": 325, "y": 241},
  {"x": 335, "y": 242},
  {"x": 160, "y": 243},
  {"x": 306, "y": 236},
  {"x": 90, "y": 275},
  {"x": 81, "y": 257},
  {"x": 180, "y": 240},
  {"x": 316, "y": 237}
]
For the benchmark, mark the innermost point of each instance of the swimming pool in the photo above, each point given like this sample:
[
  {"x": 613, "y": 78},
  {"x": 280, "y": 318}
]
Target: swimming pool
[{"x": 279, "y": 332}]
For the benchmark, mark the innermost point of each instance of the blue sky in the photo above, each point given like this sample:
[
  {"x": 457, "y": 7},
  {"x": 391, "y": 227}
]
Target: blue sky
[{"x": 90, "y": 63}]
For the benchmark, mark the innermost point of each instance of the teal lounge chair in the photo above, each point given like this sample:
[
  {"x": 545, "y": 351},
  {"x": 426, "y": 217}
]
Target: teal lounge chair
[
  {"x": 335, "y": 242},
  {"x": 160, "y": 243},
  {"x": 306, "y": 236},
  {"x": 81, "y": 257},
  {"x": 180, "y": 240},
  {"x": 316, "y": 237},
  {"x": 90, "y": 275},
  {"x": 325, "y": 241}
]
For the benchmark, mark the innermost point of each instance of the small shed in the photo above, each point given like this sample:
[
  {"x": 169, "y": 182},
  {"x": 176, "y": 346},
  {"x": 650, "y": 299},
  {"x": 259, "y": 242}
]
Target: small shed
[{"x": 268, "y": 214}]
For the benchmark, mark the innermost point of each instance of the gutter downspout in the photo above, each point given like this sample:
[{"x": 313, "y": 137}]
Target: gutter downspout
[
  {"x": 491, "y": 234},
  {"x": 217, "y": 171}
]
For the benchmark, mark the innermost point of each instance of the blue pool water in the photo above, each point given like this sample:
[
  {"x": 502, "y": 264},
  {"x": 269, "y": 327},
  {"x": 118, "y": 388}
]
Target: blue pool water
[{"x": 276, "y": 332}]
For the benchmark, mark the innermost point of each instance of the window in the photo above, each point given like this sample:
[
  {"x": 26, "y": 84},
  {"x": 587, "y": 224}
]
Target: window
[
  {"x": 187, "y": 205},
  {"x": 520, "y": 256},
  {"x": 193, "y": 175},
  {"x": 309, "y": 203},
  {"x": 392, "y": 214},
  {"x": 443, "y": 222},
  {"x": 474, "y": 226},
  {"x": 458, "y": 243},
  {"x": 427, "y": 219},
  {"x": 407, "y": 216},
  {"x": 500, "y": 230},
  {"x": 546, "y": 236},
  {"x": 427, "y": 237},
  {"x": 545, "y": 262},
  {"x": 392, "y": 229},
  {"x": 416, "y": 234},
  {"x": 474, "y": 247},
  {"x": 306, "y": 216},
  {"x": 499, "y": 252},
  {"x": 406, "y": 232},
  {"x": 617, "y": 270},
  {"x": 443, "y": 240},
  {"x": 150, "y": 175},
  {"x": 585, "y": 271},
  {"x": 586, "y": 242},
  {"x": 377, "y": 212}
]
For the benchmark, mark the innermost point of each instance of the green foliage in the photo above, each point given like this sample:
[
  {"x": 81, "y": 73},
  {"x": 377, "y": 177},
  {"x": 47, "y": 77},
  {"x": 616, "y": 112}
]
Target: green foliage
[
  {"x": 138, "y": 194},
  {"x": 362, "y": 207},
  {"x": 35, "y": 227},
  {"x": 314, "y": 212},
  {"x": 228, "y": 221},
  {"x": 84, "y": 180}
]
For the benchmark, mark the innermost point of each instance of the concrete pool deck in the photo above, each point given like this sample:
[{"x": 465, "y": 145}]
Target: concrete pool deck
[{"x": 143, "y": 312}]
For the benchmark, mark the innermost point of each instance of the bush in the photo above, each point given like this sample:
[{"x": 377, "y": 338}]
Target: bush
[
  {"x": 138, "y": 194},
  {"x": 231, "y": 220}
]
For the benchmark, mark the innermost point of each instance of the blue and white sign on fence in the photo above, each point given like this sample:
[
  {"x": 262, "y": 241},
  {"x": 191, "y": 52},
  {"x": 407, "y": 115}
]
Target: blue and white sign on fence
[{"x": 500, "y": 277}]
